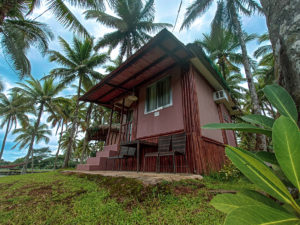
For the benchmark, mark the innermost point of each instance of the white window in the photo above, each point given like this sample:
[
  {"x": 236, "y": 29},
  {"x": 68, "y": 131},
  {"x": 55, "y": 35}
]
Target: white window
[{"x": 158, "y": 95}]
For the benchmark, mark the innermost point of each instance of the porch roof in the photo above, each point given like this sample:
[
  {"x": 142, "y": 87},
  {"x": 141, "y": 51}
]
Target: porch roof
[{"x": 160, "y": 54}]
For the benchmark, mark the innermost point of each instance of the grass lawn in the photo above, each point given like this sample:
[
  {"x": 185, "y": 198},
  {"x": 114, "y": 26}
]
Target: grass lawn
[{"x": 55, "y": 198}]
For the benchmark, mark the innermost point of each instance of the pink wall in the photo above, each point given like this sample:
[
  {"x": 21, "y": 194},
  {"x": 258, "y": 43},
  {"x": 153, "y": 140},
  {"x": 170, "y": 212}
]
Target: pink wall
[
  {"x": 170, "y": 119},
  {"x": 207, "y": 108},
  {"x": 229, "y": 133}
]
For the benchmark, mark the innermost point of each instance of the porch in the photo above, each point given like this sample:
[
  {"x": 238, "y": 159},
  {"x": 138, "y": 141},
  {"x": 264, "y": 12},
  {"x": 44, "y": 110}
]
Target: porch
[{"x": 108, "y": 159}]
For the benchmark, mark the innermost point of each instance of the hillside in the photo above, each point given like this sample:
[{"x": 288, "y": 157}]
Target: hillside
[{"x": 56, "y": 198}]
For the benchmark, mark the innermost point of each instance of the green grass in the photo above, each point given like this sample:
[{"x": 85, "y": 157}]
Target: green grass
[{"x": 55, "y": 198}]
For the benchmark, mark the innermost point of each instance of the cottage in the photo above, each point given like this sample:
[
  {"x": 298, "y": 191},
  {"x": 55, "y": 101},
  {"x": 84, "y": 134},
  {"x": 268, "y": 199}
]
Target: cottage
[{"x": 163, "y": 93}]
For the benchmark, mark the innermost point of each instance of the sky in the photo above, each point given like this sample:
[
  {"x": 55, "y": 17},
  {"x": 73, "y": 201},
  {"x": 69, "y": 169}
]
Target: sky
[{"x": 166, "y": 12}]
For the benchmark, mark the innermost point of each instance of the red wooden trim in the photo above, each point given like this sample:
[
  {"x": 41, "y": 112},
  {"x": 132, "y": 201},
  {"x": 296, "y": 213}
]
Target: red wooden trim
[
  {"x": 225, "y": 140},
  {"x": 162, "y": 134},
  {"x": 212, "y": 141}
]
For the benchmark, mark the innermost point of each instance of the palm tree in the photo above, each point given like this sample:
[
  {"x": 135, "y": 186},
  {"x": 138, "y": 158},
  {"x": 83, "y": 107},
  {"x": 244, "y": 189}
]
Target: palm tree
[
  {"x": 87, "y": 120},
  {"x": 115, "y": 63},
  {"x": 58, "y": 8},
  {"x": 13, "y": 109},
  {"x": 60, "y": 118},
  {"x": 43, "y": 95},
  {"x": 65, "y": 141},
  {"x": 18, "y": 34},
  {"x": 79, "y": 63},
  {"x": 228, "y": 14},
  {"x": 24, "y": 137},
  {"x": 133, "y": 23},
  {"x": 222, "y": 47}
]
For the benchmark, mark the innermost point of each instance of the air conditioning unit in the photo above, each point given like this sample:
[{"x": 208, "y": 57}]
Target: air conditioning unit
[{"x": 220, "y": 96}]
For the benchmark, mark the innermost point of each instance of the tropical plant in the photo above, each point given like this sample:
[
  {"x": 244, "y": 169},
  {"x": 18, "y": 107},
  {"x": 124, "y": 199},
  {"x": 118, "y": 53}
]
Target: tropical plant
[
  {"x": 25, "y": 136},
  {"x": 41, "y": 94},
  {"x": 228, "y": 15},
  {"x": 18, "y": 34},
  {"x": 13, "y": 109},
  {"x": 251, "y": 207},
  {"x": 79, "y": 63},
  {"x": 133, "y": 23}
]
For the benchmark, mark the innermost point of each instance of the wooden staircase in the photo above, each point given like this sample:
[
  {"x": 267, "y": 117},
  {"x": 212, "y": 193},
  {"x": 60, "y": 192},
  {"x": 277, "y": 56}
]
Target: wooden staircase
[{"x": 100, "y": 162}]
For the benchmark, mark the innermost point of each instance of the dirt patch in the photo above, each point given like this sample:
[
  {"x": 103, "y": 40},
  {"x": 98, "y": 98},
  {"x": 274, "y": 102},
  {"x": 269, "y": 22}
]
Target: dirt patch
[
  {"x": 43, "y": 190},
  {"x": 145, "y": 178},
  {"x": 188, "y": 189}
]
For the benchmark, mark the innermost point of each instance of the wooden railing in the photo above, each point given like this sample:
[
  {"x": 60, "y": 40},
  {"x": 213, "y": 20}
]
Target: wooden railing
[{"x": 126, "y": 132}]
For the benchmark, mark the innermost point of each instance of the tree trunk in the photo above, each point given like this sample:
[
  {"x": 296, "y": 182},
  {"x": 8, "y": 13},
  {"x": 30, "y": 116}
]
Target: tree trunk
[
  {"x": 74, "y": 124},
  {"x": 4, "y": 139},
  {"x": 222, "y": 66},
  {"x": 85, "y": 142},
  {"x": 59, "y": 144},
  {"x": 283, "y": 20},
  {"x": 260, "y": 139},
  {"x": 24, "y": 169}
]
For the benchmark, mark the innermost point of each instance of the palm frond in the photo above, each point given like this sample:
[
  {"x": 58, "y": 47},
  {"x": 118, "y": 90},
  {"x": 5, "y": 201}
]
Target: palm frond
[
  {"x": 196, "y": 9},
  {"x": 66, "y": 17}
]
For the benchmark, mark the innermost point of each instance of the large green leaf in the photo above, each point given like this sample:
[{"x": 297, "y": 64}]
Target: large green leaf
[
  {"x": 245, "y": 127},
  {"x": 228, "y": 202},
  {"x": 261, "y": 199},
  {"x": 281, "y": 100},
  {"x": 267, "y": 157},
  {"x": 260, "y": 215},
  {"x": 286, "y": 141},
  {"x": 261, "y": 120},
  {"x": 261, "y": 175}
]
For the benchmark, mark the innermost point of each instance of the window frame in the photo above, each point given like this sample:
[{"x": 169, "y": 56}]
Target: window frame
[{"x": 171, "y": 95}]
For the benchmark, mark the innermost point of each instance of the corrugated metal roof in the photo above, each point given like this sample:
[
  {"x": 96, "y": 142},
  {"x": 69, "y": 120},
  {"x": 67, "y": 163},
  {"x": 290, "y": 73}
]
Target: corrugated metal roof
[{"x": 160, "y": 54}]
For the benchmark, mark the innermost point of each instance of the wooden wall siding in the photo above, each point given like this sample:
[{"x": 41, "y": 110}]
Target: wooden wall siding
[
  {"x": 214, "y": 153},
  {"x": 203, "y": 156},
  {"x": 191, "y": 120},
  {"x": 166, "y": 163}
]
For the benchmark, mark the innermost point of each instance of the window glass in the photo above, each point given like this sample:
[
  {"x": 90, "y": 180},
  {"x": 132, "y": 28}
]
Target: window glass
[{"x": 158, "y": 95}]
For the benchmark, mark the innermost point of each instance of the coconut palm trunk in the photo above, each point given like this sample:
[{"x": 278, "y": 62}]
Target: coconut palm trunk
[
  {"x": 24, "y": 169},
  {"x": 74, "y": 125},
  {"x": 59, "y": 145},
  {"x": 85, "y": 142},
  {"x": 260, "y": 139},
  {"x": 283, "y": 25},
  {"x": 4, "y": 139}
]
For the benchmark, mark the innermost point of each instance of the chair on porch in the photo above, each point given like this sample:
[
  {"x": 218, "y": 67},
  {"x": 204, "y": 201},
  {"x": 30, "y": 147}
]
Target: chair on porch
[
  {"x": 125, "y": 153},
  {"x": 178, "y": 148},
  {"x": 164, "y": 143}
]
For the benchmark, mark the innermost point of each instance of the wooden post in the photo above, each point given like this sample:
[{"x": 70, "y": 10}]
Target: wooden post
[
  {"x": 121, "y": 121},
  {"x": 109, "y": 129}
]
